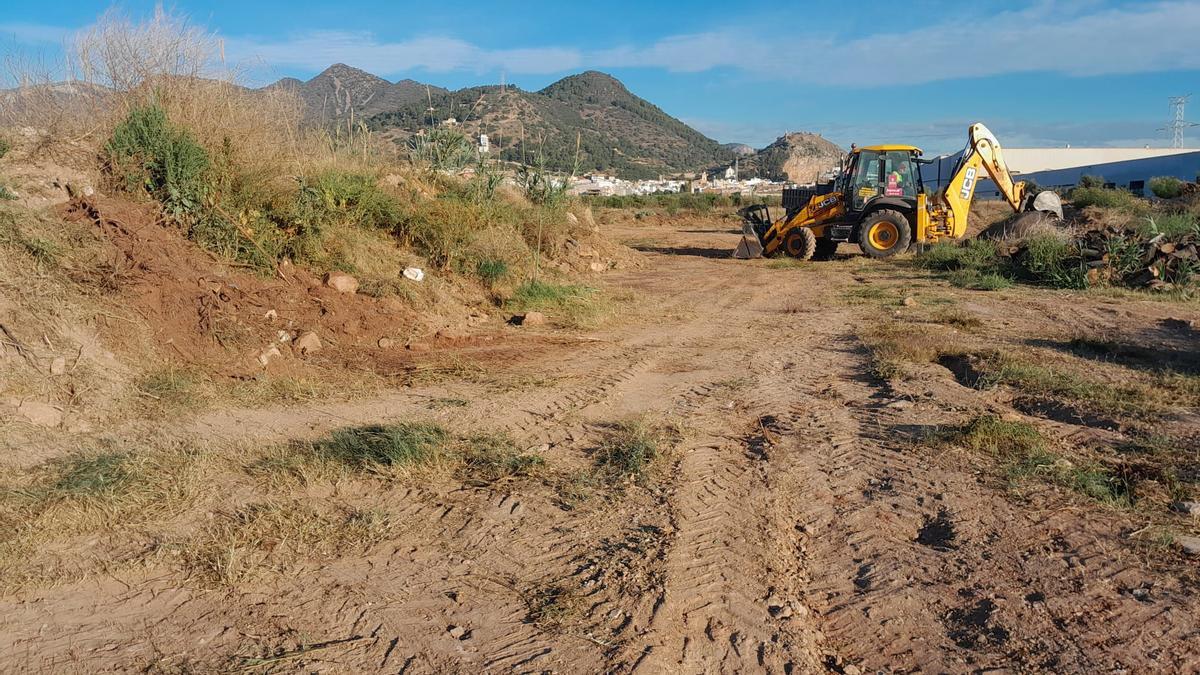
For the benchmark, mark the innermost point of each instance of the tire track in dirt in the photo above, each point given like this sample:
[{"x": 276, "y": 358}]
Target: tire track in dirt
[
  {"x": 731, "y": 599},
  {"x": 934, "y": 569}
]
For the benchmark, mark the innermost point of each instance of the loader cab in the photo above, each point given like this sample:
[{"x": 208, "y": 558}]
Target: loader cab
[{"x": 890, "y": 172}]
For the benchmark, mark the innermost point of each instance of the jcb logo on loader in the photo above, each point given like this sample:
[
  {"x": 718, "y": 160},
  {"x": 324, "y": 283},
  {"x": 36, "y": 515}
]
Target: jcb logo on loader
[
  {"x": 968, "y": 184},
  {"x": 828, "y": 201}
]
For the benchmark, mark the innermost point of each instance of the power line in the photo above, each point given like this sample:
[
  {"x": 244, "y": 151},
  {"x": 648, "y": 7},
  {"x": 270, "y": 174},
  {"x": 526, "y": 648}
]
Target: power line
[{"x": 1178, "y": 121}]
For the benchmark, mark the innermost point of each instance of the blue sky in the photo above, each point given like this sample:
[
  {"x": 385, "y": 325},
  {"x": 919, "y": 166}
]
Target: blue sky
[{"x": 1040, "y": 73}]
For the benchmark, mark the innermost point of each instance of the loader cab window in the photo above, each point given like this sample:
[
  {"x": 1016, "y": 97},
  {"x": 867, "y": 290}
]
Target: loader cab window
[
  {"x": 900, "y": 175},
  {"x": 867, "y": 181}
]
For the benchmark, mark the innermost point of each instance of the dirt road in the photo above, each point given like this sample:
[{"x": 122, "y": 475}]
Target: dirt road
[{"x": 797, "y": 526}]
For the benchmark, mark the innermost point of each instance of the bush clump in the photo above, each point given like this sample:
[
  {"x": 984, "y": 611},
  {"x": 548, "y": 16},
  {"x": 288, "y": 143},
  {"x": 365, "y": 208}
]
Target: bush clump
[
  {"x": 1166, "y": 187},
  {"x": 1107, "y": 198},
  {"x": 146, "y": 153},
  {"x": 1049, "y": 260}
]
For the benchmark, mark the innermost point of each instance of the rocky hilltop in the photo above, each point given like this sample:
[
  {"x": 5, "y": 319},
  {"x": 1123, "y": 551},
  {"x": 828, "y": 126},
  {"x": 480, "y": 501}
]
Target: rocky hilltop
[{"x": 799, "y": 157}]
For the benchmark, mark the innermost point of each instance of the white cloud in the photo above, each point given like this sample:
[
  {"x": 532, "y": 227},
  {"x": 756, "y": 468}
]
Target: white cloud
[
  {"x": 317, "y": 50},
  {"x": 34, "y": 34},
  {"x": 1071, "y": 37},
  {"x": 1068, "y": 38}
]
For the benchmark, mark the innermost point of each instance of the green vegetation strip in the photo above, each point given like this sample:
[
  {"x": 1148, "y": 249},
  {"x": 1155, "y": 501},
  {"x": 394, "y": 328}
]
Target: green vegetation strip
[{"x": 1024, "y": 453}]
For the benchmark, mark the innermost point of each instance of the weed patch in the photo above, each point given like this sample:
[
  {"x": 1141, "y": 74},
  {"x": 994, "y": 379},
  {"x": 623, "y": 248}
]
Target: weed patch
[
  {"x": 1171, "y": 225},
  {"x": 567, "y": 304},
  {"x": 1024, "y": 453},
  {"x": 397, "y": 450},
  {"x": 399, "y": 445},
  {"x": 92, "y": 475},
  {"x": 489, "y": 459},
  {"x": 958, "y": 318},
  {"x": 552, "y": 607},
  {"x": 629, "y": 450},
  {"x": 975, "y": 280},
  {"x": 1042, "y": 380}
]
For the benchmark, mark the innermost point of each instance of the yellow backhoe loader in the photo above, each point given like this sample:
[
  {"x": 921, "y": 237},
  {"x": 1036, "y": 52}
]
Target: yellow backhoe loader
[{"x": 879, "y": 201}]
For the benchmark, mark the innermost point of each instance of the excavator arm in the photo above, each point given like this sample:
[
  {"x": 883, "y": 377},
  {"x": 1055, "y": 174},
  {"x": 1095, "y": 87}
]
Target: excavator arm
[{"x": 948, "y": 210}]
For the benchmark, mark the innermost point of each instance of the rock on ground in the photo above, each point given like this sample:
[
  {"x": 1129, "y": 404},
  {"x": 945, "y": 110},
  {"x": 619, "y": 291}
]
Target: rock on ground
[
  {"x": 341, "y": 282},
  {"x": 40, "y": 414},
  {"x": 308, "y": 343},
  {"x": 528, "y": 319}
]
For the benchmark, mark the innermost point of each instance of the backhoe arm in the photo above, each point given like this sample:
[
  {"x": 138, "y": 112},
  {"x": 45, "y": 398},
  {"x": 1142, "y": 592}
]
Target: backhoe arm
[{"x": 983, "y": 151}]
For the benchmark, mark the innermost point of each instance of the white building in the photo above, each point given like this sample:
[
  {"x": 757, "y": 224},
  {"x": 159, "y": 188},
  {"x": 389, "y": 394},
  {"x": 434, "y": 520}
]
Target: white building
[{"x": 1129, "y": 168}]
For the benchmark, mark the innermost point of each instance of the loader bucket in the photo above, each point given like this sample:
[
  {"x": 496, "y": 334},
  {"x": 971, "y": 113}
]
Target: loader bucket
[
  {"x": 755, "y": 219},
  {"x": 1047, "y": 202},
  {"x": 750, "y": 246}
]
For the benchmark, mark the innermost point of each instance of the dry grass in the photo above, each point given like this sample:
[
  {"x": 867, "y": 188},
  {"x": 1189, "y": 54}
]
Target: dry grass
[
  {"x": 112, "y": 492},
  {"x": 893, "y": 344},
  {"x": 276, "y": 536}
]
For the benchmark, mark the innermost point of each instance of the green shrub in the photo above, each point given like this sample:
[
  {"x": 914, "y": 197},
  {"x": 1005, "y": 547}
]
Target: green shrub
[
  {"x": 1172, "y": 225},
  {"x": 329, "y": 199},
  {"x": 1049, "y": 260},
  {"x": 1107, "y": 198},
  {"x": 1091, "y": 182},
  {"x": 945, "y": 255},
  {"x": 147, "y": 154},
  {"x": 1166, "y": 187},
  {"x": 5, "y": 147},
  {"x": 492, "y": 271},
  {"x": 442, "y": 230},
  {"x": 442, "y": 149}
]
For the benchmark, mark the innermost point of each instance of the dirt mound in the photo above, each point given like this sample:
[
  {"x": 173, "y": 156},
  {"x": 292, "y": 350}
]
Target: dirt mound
[
  {"x": 1023, "y": 226},
  {"x": 237, "y": 323}
]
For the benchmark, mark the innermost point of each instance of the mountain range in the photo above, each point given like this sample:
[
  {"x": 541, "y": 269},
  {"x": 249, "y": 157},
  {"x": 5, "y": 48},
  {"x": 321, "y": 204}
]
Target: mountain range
[{"x": 588, "y": 122}]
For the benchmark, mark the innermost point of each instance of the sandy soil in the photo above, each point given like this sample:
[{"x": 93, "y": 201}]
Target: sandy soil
[{"x": 798, "y": 526}]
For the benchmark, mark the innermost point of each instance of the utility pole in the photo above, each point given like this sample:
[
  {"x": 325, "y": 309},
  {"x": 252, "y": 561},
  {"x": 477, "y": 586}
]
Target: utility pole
[{"x": 1178, "y": 121}]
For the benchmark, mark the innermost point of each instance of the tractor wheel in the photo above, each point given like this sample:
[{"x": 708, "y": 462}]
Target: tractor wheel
[
  {"x": 884, "y": 233},
  {"x": 800, "y": 243},
  {"x": 826, "y": 249}
]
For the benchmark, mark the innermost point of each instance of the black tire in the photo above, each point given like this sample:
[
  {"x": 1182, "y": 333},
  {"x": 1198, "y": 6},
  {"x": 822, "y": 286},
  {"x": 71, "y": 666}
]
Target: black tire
[
  {"x": 800, "y": 243},
  {"x": 884, "y": 233},
  {"x": 826, "y": 249}
]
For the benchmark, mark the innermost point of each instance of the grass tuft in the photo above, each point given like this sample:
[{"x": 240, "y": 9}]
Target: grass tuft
[
  {"x": 975, "y": 280},
  {"x": 488, "y": 459},
  {"x": 402, "y": 445},
  {"x": 91, "y": 475},
  {"x": 630, "y": 449},
  {"x": 552, "y": 607},
  {"x": 1024, "y": 453},
  {"x": 566, "y": 304}
]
